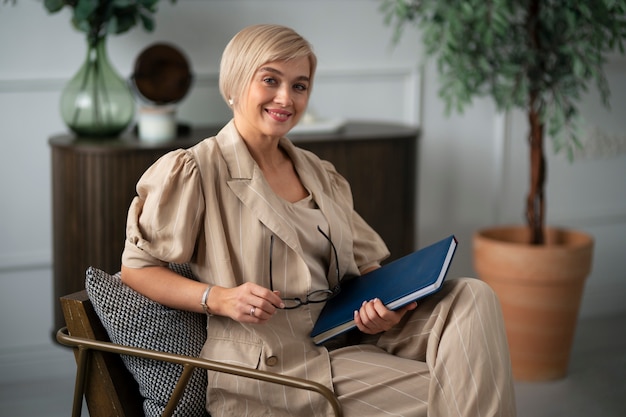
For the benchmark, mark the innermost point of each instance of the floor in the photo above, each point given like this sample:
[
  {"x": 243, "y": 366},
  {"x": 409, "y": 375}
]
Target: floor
[
  {"x": 595, "y": 385},
  {"x": 596, "y": 382}
]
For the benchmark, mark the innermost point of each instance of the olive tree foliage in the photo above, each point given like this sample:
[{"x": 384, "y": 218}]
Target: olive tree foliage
[{"x": 535, "y": 55}]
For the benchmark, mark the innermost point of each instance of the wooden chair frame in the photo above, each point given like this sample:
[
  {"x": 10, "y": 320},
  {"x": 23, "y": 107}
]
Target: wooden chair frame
[{"x": 105, "y": 383}]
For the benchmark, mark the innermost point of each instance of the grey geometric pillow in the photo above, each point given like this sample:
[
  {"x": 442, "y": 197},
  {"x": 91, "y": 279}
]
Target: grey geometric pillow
[{"x": 132, "y": 319}]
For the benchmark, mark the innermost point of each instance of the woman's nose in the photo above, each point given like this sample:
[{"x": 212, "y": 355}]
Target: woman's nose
[{"x": 283, "y": 97}]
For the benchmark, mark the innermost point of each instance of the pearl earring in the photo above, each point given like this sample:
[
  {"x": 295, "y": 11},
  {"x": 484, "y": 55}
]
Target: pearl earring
[{"x": 231, "y": 101}]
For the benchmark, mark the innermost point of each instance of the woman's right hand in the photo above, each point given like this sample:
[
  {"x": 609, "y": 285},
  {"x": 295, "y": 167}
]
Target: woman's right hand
[
  {"x": 247, "y": 303},
  {"x": 166, "y": 287}
]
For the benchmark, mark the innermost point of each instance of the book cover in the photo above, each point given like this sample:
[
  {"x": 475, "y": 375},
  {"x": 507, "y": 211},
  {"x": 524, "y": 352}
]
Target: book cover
[{"x": 396, "y": 284}]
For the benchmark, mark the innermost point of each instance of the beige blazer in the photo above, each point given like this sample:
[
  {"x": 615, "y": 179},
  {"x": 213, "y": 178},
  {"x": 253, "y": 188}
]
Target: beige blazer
[{"x": 211, "y": 206}]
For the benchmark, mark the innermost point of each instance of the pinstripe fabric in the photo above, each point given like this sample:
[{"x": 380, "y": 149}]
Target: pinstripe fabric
[
  {"x": 371, "y": 382},
  {"x": 450, "y": 353},
  {"x": 211, "y": 206}
]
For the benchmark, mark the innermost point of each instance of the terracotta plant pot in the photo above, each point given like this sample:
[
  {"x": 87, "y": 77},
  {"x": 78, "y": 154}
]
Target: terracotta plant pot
[{"x": 540, "y": 289}]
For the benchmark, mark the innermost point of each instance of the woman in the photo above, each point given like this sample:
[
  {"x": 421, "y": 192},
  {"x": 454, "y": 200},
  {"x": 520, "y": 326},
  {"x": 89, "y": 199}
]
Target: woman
[{"x": 262, "y": 223}]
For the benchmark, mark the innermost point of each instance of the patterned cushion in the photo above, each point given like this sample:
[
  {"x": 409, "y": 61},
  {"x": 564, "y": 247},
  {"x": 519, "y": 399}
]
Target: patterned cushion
[{"x": 133, "y": 320}]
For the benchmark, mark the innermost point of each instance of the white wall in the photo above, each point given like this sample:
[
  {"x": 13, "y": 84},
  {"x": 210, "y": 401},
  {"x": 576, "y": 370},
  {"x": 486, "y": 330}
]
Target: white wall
[{"x": 472, "y": 168}]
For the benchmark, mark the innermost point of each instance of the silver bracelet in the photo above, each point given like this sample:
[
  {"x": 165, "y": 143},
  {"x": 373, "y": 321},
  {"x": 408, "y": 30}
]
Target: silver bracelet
[{"x": 203, "y": 302}]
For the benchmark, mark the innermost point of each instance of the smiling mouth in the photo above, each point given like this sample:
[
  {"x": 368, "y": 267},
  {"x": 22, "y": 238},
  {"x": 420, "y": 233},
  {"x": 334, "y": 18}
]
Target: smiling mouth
[{"x": 279, "y": 115}]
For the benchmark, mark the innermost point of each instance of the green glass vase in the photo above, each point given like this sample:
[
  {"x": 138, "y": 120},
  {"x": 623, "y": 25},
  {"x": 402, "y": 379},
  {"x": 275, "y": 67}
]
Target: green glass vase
[{"x": 97, "y": 101}]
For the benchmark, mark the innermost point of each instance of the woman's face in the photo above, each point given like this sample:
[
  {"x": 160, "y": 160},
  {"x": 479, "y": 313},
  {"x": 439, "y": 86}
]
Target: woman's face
[{"x": 276, "y": 99}]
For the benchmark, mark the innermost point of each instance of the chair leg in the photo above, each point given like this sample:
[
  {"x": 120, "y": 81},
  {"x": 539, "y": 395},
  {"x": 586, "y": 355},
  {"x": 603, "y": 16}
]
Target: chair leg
[
  {"x": 79, "y": 387},
  {"x": 179, "y": 389}
]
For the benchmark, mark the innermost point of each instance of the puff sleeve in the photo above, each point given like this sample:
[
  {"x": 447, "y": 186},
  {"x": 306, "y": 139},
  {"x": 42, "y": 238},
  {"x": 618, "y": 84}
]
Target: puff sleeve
[
  {"x": 369, "y": 248},
  {"x": 165, "y": 217}
]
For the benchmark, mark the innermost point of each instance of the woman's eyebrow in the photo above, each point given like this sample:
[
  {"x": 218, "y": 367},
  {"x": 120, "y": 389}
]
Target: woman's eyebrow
[{"x": 275, "y": 71}]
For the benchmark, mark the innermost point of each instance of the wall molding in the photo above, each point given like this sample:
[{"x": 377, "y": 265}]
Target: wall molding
[
  {"x": 32, "y": 85},
  {"x": 502, "y": 142},
  {"x": 598, "y": 217},
  {"x": 28, "y": 363},
  {"x": 408, "y": 77},
  {"x": 40, "y": 259}
]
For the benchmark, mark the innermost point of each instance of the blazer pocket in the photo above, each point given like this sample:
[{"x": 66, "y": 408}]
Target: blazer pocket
[{"x": 236, "y": 352}]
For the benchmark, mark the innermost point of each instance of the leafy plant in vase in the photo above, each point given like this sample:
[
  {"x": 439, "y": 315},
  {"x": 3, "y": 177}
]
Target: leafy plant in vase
[
  {"x": 536, "y": 56},
  {"x": 97, "y": 101}
]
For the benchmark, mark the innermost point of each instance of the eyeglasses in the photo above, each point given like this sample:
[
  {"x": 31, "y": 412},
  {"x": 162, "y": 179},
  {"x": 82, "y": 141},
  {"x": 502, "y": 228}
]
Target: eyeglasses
[{"x": 317, "y": 296}]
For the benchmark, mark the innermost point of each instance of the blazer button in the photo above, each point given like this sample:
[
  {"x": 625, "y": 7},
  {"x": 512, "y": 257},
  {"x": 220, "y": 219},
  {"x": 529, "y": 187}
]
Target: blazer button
[{"x": 271, "y": 361}]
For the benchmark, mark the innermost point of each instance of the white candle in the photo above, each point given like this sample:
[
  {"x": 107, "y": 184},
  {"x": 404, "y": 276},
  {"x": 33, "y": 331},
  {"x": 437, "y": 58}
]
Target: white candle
[{"x": 157, "y": 124}]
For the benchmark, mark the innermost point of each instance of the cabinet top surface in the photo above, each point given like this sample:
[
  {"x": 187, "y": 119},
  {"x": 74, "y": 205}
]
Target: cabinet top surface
[{"x": 350, "y": 131}]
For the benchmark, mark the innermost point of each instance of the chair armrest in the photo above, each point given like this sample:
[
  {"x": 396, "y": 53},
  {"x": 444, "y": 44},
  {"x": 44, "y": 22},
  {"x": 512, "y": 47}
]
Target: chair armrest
[{"x": 85, "y": 346}]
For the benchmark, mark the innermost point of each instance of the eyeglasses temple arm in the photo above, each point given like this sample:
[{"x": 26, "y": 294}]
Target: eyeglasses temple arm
[{"x": 271, "y": 251}]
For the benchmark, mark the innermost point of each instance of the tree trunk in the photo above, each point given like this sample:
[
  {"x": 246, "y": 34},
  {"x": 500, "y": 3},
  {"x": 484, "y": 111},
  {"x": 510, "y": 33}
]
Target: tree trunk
[{"x": 535, "y": 203}]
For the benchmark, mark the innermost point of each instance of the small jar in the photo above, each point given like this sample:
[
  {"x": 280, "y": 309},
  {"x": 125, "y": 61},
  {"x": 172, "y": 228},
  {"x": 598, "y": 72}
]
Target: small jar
[{"x": 157, "y": 123}]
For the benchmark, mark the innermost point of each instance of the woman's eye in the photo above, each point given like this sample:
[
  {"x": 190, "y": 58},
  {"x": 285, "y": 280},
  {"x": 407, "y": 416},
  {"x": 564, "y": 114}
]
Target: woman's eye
[
  {"x": 269, "y": 80},
  {"x": 301, "y": 87}
]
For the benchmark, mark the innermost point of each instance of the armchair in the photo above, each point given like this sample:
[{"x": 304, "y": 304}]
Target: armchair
[{"x": 104, "y": 379}]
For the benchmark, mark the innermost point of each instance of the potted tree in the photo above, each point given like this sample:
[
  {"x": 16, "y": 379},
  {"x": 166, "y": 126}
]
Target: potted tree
[{"x": 538, "y": 57}]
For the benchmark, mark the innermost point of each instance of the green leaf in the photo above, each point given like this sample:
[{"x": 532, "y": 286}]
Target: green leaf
[
  {"x": 84, "y": 9},
  {"x": 124, "y": 22},
  {"x": 121, "y": 4},
  {"x": 150, "y": 5},
  {"x": 54, "y": 6},
  {"x": 100, "y": 17},
  {"x": 147, "y": 22}
]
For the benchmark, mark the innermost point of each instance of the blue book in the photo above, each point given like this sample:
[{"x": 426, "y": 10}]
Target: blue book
[{"x": 396, "y": 284}]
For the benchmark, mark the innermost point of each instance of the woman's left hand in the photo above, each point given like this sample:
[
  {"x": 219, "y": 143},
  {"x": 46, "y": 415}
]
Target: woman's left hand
[{"x": 373, "y": 317}]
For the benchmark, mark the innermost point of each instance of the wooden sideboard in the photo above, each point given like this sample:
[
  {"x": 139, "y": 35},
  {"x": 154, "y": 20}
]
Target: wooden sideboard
[{"x": 93, "y": 183}]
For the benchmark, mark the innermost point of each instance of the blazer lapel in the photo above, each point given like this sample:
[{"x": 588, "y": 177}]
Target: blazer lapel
[
  {"x": 338, "y": 220},
  {"x": 248, "y": 184}
]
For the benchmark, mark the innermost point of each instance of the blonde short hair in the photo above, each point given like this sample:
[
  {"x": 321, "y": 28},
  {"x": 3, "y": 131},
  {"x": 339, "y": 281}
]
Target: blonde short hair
[{"x": 254, "y": 46}]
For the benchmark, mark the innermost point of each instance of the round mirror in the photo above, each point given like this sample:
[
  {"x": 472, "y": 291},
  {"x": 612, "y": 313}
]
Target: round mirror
[{"x": 162, "y": 74}]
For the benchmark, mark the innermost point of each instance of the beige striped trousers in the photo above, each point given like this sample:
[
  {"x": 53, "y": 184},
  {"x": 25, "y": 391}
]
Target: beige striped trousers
[{"x": 448, "y": 357}]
